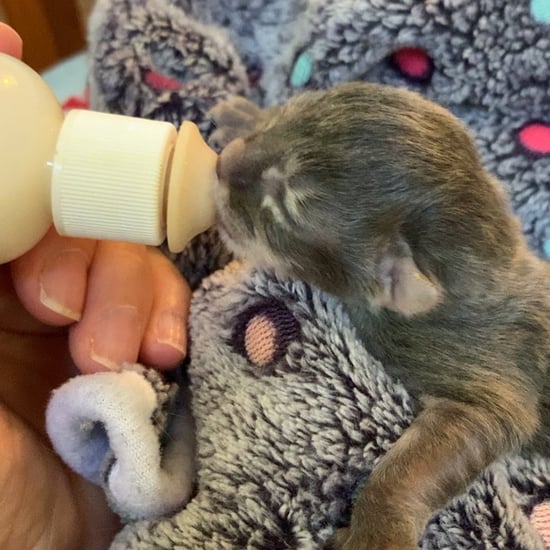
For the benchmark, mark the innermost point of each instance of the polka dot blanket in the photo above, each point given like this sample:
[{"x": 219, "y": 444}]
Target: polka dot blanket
[{"x": 280, "y": 413}]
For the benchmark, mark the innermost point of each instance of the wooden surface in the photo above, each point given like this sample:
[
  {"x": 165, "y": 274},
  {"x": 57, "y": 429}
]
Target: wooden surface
[{"x": 51, "y": 29}]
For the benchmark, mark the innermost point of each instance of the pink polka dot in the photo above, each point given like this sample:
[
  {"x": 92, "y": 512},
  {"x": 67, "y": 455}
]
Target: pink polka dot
[
  {"x": 535, "y": 137},
  {"x": 414, "y": 63},
  {"x": 260, "y": 340},
  {"x": 161, "y": 82},
  {"x": 540, "y": 518}
]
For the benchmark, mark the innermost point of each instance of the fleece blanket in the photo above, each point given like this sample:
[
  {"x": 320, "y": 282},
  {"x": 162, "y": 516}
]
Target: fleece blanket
[{"x": 262, "y": 438}]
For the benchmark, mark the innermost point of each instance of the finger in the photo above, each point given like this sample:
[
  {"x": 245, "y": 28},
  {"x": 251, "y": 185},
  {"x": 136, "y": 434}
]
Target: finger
[
  {"x": 10, "y": 41},
  {"x": 118, "y": 303},
  {"x": 66, "y": 511},
  {"x": 14, "y": 318},
  {"x": 165, "y": 341},
  {"x": 51, "y": 278}
]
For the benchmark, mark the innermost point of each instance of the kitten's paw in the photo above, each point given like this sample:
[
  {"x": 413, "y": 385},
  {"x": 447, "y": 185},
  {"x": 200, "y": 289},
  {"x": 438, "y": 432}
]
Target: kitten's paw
[{"x": 234, "y": 118}]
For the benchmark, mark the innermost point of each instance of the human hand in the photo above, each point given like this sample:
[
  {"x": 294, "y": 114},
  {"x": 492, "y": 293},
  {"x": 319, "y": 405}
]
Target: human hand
[
  {"x": 119, "y": 303},
  {"x": 123, "y": 294},
  {"x": 69, "y": 305},
  {"x": 10, "y": 41}
]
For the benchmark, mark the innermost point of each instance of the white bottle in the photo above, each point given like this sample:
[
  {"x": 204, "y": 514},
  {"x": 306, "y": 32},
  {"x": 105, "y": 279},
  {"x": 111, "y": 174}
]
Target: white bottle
[{"x": 93, "y": 174}]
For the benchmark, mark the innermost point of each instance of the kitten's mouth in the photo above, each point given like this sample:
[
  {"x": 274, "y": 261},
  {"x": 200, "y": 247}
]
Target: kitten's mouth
[
  {"x": 228, "y": 161},
  {"x": 220, "y": 178},
  {"x": 232, "y": 237},
  {"x": 230, "y": 225},
  {"x": 225, "y": 222}
]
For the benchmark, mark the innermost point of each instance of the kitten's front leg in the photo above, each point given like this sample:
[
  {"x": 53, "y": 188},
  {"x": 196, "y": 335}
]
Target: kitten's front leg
[
  {"x": 235, "y": 118},
  {"x": 443, "y": 450}
]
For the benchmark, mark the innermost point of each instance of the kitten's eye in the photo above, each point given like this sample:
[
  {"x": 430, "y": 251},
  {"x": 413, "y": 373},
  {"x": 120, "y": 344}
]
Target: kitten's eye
[
  {"x": 302, "y": 71},
  {"x": 413, "y": 63}
]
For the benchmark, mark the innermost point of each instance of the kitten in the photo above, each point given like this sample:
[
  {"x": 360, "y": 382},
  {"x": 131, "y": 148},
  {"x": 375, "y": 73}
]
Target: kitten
[{"x": 378, "y": 197}]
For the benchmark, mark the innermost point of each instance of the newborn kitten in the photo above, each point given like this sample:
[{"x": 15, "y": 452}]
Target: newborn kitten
[{"x": 378, "y": 197}]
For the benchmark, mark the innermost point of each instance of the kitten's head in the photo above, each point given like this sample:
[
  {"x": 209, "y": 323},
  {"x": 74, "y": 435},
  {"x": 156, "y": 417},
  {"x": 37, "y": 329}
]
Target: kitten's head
[{"x": 361, "y": 190}]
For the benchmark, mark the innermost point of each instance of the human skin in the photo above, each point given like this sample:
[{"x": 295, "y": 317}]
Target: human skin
[{"x": 68, "y": 306}]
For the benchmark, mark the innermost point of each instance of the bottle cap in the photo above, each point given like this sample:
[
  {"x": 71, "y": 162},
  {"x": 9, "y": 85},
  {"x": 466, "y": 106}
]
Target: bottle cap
[{"x": 109, "y": 178}]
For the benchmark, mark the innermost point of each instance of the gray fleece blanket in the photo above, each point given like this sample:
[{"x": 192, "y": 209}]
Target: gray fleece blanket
[
  {"x": 291, "y": 414},
  {"x": 280, "y": 413}
]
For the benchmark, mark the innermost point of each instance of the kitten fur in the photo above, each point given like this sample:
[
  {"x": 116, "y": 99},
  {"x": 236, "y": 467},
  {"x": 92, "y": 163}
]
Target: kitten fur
[{"x": 378, "y": 197}]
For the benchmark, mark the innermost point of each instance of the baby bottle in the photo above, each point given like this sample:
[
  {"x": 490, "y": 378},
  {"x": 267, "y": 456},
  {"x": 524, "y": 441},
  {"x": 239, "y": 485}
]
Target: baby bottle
[{"x": 94, "y": 174}]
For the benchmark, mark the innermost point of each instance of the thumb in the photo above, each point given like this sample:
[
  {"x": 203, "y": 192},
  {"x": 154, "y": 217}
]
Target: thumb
[
  {"x": 10, "y": 41},
  {"x": 13, "y": 316}
]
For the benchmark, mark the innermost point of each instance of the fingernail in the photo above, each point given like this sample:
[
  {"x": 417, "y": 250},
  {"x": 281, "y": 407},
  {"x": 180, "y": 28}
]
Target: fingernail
[
  {"x": 56, "y": 291},
  {"x": 170, "y": 330},
  {"x": 116, "y": 338}
]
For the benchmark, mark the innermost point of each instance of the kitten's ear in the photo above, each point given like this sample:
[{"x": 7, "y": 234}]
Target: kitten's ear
[{"x": 403, "y": 287}]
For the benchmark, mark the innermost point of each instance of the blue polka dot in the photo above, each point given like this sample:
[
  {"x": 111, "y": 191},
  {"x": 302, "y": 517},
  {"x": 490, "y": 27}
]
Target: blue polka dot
[
  {"x": 540, "y": 10},
  {"x": 302, "y": 70},
  {"x": 547, "y": 248}
]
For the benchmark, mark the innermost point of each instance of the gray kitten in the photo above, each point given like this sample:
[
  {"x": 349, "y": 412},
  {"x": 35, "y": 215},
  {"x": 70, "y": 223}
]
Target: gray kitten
[{"x": 378, "y": 197}]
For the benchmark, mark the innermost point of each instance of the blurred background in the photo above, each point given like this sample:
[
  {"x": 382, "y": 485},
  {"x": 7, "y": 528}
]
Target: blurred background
[
  {"x": 54, "y": 40},
  {"x": 52, "y": 30}
]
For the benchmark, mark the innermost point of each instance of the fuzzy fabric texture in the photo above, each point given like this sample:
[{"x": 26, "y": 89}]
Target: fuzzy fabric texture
[
  {"x": 284, "y": 443},
  {"x": 487, "y": 61},
  {"x": 130, "y": 432},
  {"x": 292, "y": 413}
]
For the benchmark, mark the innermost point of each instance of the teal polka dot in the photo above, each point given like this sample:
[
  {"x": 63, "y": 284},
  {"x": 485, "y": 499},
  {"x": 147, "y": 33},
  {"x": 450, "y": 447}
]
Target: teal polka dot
[
  {"x": 540, "y": 10},
  {"x": 547, "y": 248},
  {"x": 302, "y": 71}
]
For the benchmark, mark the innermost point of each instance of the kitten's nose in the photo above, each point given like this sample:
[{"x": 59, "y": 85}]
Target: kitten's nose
[{"x": 229, "y": 166}]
